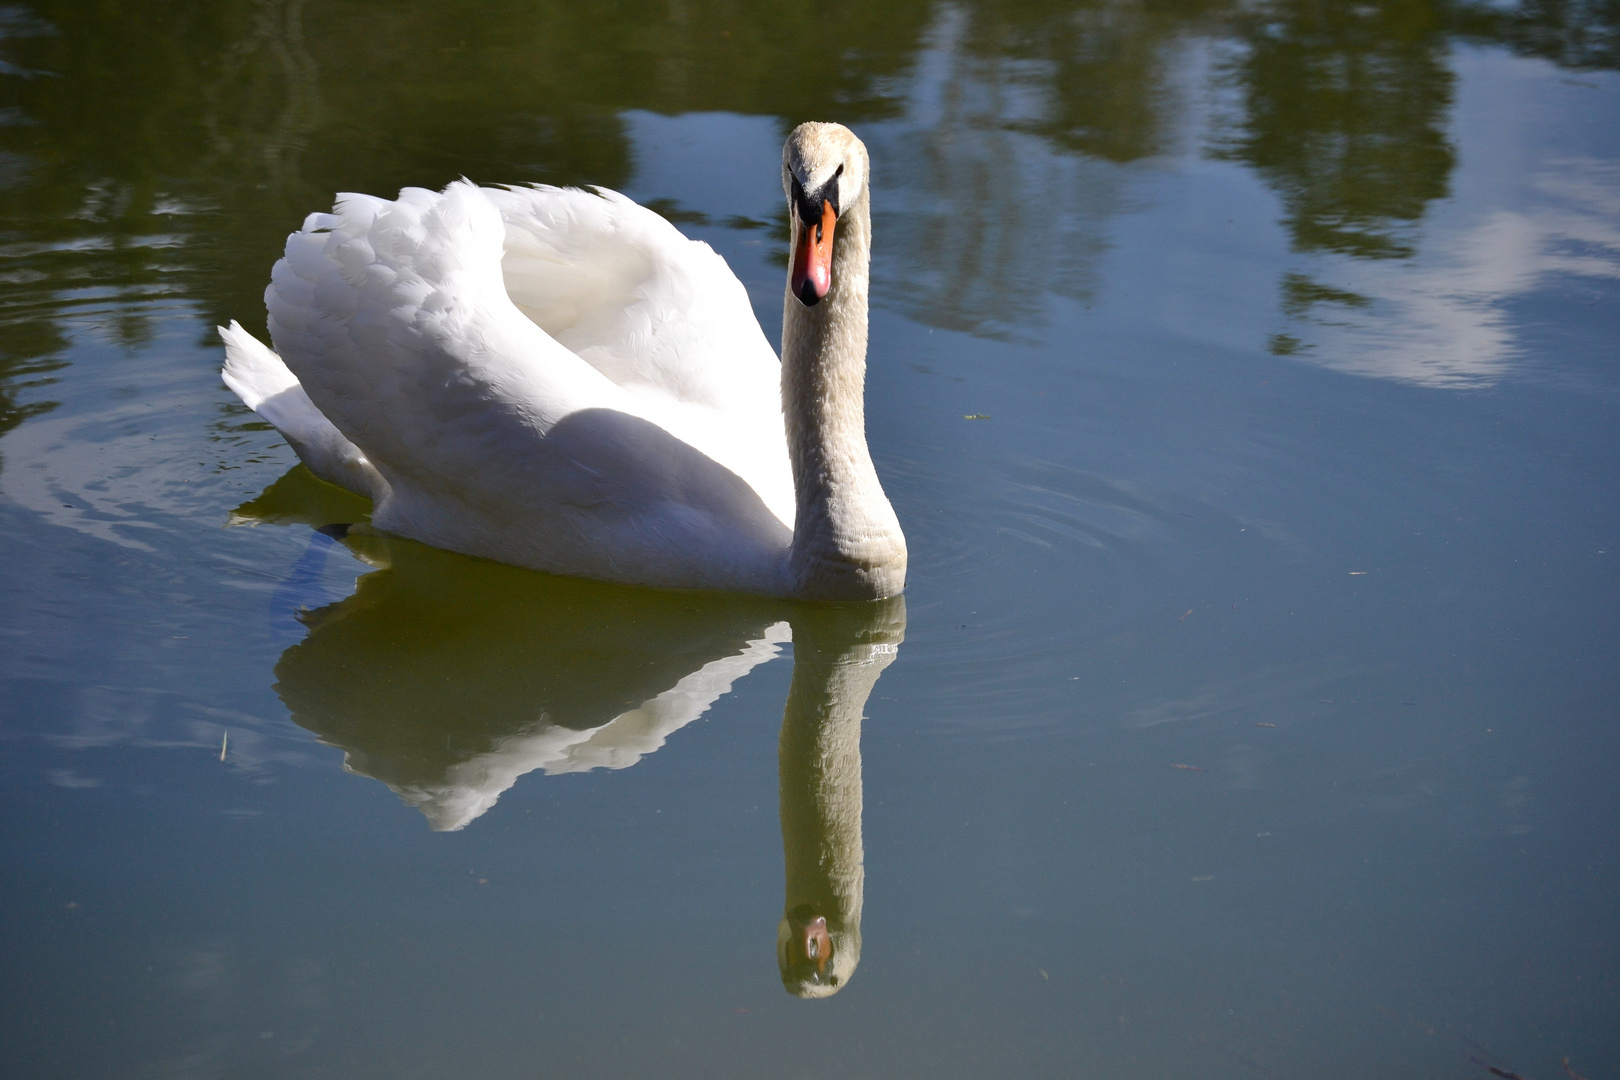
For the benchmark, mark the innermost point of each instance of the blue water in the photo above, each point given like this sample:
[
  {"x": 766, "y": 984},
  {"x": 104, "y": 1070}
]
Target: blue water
[{"x": 1245, "y": 382}]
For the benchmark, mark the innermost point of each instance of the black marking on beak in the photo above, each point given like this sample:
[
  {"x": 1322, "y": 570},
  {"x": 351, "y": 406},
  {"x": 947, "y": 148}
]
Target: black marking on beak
[{"x": 809, "y": 203}]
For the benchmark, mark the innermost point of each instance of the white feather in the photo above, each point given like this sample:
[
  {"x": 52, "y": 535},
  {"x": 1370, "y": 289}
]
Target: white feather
[
  {"x": 264, "y": 384},
  {"x": 550, "y": 378},
  {"x": 559, "y": 379}
]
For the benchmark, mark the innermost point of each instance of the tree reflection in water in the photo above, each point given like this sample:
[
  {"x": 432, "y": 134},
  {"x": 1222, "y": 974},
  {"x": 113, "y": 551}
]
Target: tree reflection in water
[
  {"x": 166, "y": 149},
  {"x": 1344, "y": 109}
]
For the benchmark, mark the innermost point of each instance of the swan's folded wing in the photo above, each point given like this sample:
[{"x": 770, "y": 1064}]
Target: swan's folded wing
[
  {"x": 394, "y": 319},
  {"x": 494, "y": 438},
  {"x": 649, "y": 308},
  {"x": 660, "y": 315}
]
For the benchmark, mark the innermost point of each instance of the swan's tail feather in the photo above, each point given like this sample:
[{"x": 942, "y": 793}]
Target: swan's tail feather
[
  {"x": 269, "y": 388},
  {"x": 251, "y": 369}
]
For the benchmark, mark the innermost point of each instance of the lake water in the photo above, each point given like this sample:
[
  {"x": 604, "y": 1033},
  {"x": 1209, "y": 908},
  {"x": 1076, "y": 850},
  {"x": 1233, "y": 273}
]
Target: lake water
[{"x": 1245, "y": 377}]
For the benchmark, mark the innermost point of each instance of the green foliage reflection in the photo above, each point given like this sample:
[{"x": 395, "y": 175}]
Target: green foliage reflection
[
  {"x": 1344, "y": 108},
  {"x": 166, "y": 147}
]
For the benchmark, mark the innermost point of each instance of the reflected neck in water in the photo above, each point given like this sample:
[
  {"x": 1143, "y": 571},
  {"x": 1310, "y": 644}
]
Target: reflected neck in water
[{"x": 838, "y": 654}]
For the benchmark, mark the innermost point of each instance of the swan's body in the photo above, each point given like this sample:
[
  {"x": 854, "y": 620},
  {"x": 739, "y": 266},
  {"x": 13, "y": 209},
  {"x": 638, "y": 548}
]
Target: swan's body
[{"x": 560, "y": 380}]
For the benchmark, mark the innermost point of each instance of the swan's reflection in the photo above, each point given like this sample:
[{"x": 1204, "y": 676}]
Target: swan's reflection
[
  {"x": 447, "y": 678},
  {"x": 838, "y": 654}
]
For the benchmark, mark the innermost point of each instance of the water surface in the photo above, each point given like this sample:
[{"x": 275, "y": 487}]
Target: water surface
[{"x": 1244, "y": 377}]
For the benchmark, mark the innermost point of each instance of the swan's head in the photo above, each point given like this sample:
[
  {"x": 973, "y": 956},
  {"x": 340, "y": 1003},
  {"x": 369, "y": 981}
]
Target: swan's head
[{"x": 824, "y": 168}]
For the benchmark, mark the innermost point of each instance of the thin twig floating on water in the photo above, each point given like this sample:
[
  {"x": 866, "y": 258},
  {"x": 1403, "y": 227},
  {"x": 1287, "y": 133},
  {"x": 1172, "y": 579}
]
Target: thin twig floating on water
[
  {"x": 1506, "y": 1074},
  {"x": 224, "y": 741},
  {"x": 1189, "y": 768}
]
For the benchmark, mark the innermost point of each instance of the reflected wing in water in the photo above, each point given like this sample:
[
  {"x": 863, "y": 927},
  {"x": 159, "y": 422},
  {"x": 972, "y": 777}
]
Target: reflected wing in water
[{"x": 447, "y": 677}]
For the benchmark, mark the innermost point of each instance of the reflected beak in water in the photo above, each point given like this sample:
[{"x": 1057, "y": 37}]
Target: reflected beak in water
[
  {"x": 810, "y": 942},
  {"x": 812, "y": 254}
]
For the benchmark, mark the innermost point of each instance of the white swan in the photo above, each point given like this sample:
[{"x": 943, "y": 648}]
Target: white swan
[{"x": 558, "y": 379}]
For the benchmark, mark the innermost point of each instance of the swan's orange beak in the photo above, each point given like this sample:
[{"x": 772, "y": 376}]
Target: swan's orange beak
[{"x": 812, "y": 256}]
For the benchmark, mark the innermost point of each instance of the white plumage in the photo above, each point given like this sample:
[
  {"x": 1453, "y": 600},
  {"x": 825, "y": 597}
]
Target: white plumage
[{"x": 547, "y": 377}]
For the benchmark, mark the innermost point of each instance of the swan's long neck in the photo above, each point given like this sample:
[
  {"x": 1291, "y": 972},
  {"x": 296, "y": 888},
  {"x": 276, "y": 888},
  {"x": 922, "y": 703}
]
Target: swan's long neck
[{"x": 847, "y": 543}]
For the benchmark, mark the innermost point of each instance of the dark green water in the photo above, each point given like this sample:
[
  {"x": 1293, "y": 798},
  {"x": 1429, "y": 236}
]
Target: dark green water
[{"x": 1254, "y": 709}]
